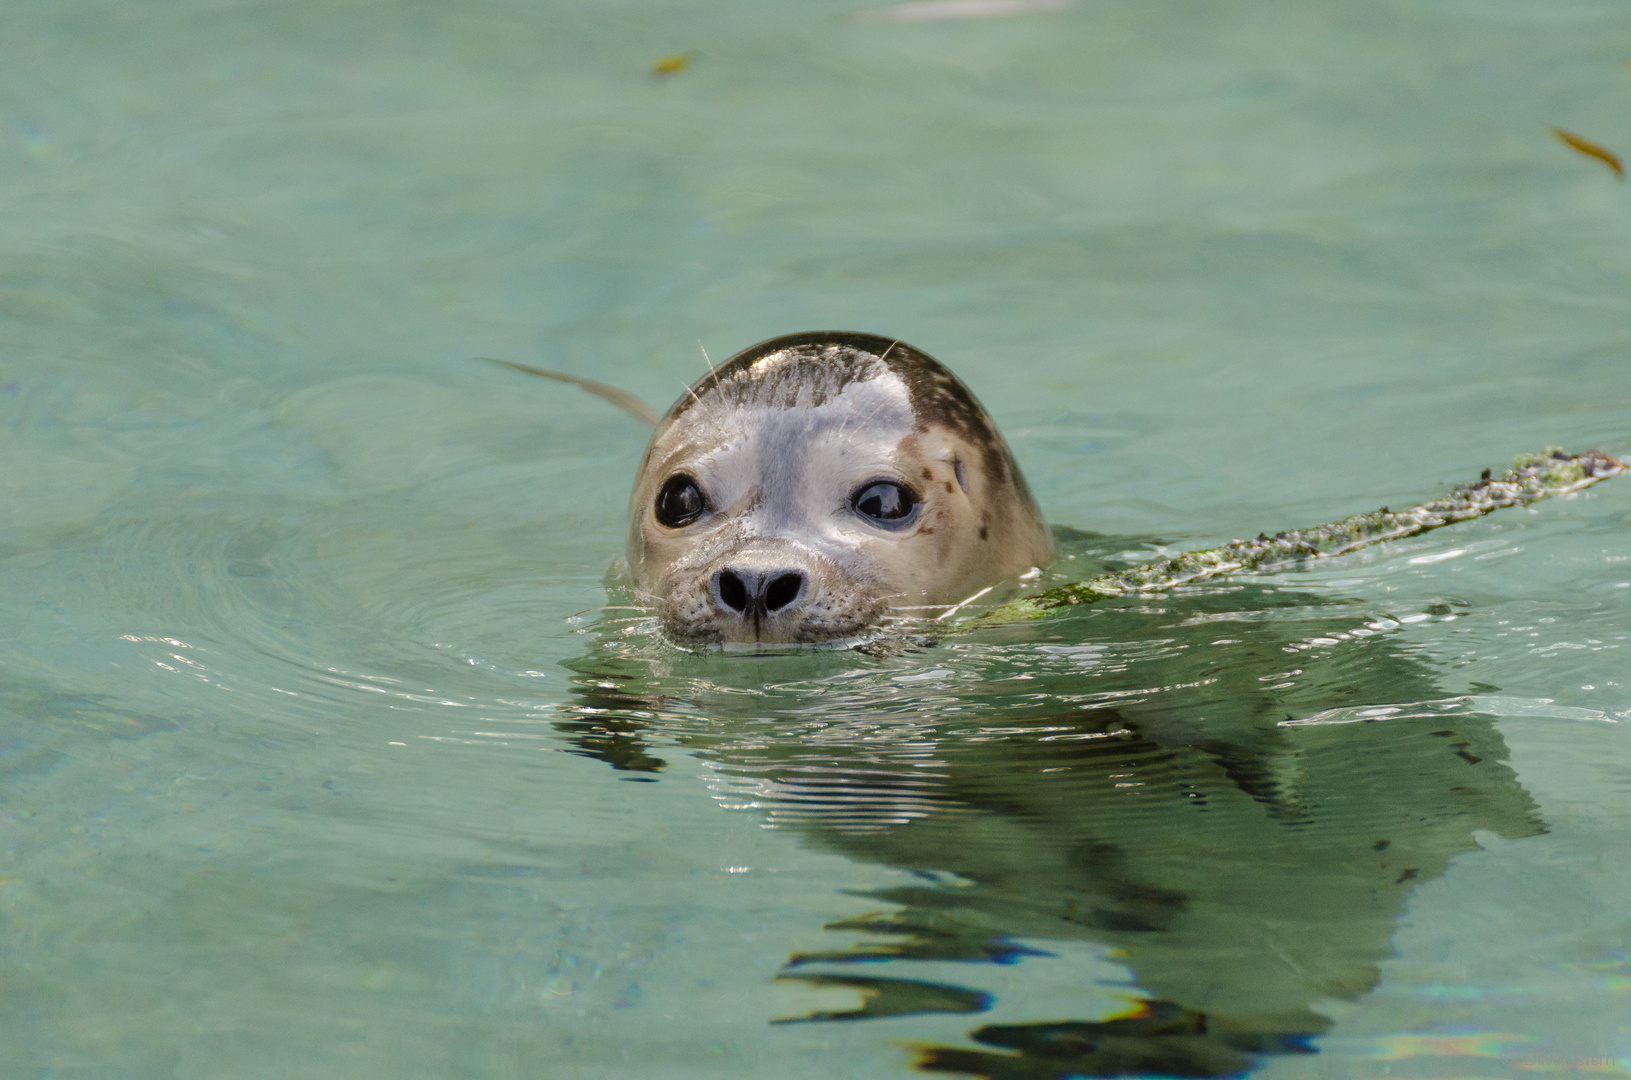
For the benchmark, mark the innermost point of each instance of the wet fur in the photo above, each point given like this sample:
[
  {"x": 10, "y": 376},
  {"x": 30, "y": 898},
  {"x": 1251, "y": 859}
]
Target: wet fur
[{"x": 778, "y": 437}]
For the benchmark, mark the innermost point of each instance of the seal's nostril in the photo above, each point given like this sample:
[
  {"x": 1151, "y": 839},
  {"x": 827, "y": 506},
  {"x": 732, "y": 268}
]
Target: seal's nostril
[
  {"x": 783, "y": 591},
  {"x": 732, "y": 591}
]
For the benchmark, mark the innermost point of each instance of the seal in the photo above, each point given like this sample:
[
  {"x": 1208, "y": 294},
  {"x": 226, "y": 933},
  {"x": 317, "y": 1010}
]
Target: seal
[{"x": 817, "y": 484}]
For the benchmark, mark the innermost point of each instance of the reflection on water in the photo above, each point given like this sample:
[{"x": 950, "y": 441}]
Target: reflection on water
[{"x": 1136, "y": 777}]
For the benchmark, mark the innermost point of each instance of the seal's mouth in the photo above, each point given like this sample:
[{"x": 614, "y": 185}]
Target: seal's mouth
[
  {"x": 697, "y": 619},
  {"x": 749, "y": 634},
  {"x": 760, "y": 648}
]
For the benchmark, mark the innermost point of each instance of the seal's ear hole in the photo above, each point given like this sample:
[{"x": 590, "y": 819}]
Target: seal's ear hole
[
  {"x": 886, "y": 504},
  {"x": 680, "y": 501}
]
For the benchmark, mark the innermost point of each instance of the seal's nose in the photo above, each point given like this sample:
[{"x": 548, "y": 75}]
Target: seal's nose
[{"x": 752, "y": 592}]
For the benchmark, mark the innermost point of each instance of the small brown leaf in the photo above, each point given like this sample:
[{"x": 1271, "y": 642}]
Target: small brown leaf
[{"x": 1591, "y": 149}]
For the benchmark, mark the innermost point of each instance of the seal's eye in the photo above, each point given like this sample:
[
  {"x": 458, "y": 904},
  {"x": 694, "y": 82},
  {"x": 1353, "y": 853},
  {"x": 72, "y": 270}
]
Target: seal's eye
[
  {"x": 886, "y": 504},
  {"x": 680, "y": 501}
]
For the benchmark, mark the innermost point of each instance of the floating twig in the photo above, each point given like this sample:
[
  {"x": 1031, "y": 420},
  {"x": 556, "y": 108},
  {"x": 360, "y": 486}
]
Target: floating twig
[
  {"x": 1532, "y": 477},
  {"x": 621, "y": 398}
]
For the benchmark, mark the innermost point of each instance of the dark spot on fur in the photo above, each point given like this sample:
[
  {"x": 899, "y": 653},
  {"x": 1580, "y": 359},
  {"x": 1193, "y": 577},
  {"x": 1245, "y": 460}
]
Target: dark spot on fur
[
  {"x": 949, "y": 489},
  {"x": 983, "y": 531}
]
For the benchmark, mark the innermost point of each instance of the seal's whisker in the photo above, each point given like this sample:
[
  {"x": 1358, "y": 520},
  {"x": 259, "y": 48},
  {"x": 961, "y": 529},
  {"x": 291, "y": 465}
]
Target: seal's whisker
[
  {"x": 863, "y": 423},
  {"x": 955, "y": 608},
  {"x": 843, "y": 427}
]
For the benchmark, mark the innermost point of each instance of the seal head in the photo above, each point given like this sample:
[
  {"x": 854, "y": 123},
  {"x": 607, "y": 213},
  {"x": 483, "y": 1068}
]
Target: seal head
[{"x": 815, "y": 484}]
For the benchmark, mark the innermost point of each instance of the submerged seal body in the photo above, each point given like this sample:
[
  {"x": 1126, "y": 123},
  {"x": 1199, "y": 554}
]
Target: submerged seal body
[{"x": 815, "y": 484}]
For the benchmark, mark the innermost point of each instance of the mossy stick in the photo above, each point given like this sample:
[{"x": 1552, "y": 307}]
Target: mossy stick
[{"x": 1532, "y": 477}]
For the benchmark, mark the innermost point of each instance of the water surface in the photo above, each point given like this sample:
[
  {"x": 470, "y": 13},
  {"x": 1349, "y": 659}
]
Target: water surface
[{"x": 319, "y": 756}]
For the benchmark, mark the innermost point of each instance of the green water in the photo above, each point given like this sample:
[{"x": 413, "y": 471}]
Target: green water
[{"x": 319, "y": 759}]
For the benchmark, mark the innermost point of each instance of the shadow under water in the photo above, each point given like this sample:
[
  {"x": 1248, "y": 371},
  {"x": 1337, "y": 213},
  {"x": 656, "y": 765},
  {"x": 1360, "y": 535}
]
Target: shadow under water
[{"x": 1189, "y": 780}]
